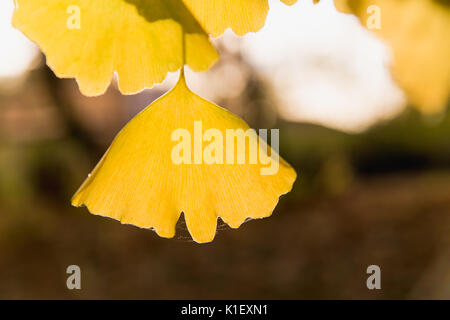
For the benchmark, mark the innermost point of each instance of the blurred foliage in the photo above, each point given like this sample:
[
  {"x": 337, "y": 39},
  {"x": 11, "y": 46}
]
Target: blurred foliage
[
  {"x": 408, "y": 142},
  {"x": 417, "y": 31}
]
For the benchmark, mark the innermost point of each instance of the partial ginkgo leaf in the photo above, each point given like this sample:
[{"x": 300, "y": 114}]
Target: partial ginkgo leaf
[
  {"x": 141, "y": 40},
  {"x": 141, "y": 181},
  {"x": 242, "y": 16},
  {"x": 417, "y": 31}
]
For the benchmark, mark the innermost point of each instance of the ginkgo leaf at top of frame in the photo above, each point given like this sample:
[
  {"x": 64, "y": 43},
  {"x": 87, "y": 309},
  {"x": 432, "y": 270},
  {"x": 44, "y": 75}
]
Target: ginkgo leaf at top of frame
[
  {"x": 141, "y": 40},
  {"x": 140, "y": 180},
  {"x": 242, "y": 16}
]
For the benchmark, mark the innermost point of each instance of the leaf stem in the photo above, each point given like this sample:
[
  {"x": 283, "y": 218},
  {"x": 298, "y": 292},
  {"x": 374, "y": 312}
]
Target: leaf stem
[{"x": 183, "y": 52}]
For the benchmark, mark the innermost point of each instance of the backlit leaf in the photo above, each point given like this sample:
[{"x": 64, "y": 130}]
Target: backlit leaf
[
  {"x": 137, "y": 181},
  {"x": 242, "y": 16},
  {"x": 141, "y": 40}
]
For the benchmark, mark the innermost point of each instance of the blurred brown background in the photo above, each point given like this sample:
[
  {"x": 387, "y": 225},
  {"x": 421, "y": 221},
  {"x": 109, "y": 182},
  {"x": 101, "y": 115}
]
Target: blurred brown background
[{"x": 375, "y": 196}]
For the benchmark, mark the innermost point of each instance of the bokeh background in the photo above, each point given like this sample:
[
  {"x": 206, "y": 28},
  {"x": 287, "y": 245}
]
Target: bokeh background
[{"x": 363, "y": 117}]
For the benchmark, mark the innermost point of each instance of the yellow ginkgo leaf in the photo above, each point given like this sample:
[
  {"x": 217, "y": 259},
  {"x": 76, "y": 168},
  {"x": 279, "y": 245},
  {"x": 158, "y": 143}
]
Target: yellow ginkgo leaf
[
  {"x": 141, "y": 40},
  {"x": 418, "y": 33},
  {"x": 242, "y": 16},
  {"x": 142, "y": 181}
]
